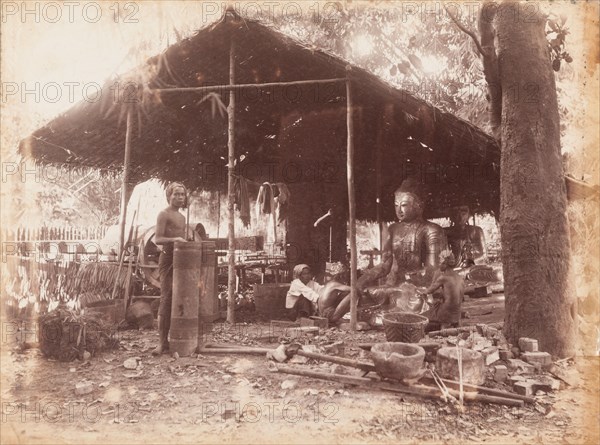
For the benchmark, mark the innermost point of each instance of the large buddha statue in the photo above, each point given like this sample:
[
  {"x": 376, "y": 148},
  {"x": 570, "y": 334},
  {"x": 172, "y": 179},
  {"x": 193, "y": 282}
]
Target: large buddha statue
[
  {"x": 466, "y": 241},
  {"x": 413, "y": 244}
]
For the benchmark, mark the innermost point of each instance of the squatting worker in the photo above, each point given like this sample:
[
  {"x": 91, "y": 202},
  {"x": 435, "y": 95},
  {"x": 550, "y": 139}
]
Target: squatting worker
[
  {"x": 170, "y": 228},
  {"x": 304, "y": 291},
  {"x": 306, "y": 296}
]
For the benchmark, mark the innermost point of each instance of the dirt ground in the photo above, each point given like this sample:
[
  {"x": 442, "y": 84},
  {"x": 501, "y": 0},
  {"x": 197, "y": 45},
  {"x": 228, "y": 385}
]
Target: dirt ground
[{"x": 236, "y": 399}]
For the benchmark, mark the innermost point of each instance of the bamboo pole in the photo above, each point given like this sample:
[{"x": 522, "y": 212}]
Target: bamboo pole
[
  {"x": 351, "y": 205},
  {"x": 221, "y": 348},
  {"x": 416, "y": 390},
  {"x": 378, "y": 160},
  {"x": 124, "y": 181},
  {"x": 244, "y": 86},
  {"x": 230, "y": 192}
]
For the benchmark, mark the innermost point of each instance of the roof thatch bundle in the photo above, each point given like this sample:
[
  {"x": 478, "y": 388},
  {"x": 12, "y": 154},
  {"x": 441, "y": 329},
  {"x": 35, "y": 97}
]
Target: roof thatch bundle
[{"x": 294, "y": 134}]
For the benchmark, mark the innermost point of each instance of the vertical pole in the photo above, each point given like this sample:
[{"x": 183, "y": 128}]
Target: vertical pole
[
  {"x": 230, "y": 192},
  {"x": 124, "y": 182},
  {"x": 378, "y": 160},
  {"x": 351, "y": 204}
]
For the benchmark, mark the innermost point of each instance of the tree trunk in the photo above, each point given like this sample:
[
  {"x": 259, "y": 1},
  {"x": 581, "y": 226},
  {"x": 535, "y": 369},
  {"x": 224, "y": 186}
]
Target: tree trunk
[{"x": 540, "y": 300}]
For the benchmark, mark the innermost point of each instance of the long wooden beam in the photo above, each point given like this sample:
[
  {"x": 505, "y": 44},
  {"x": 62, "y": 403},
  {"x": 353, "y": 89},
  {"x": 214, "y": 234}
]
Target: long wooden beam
[
  {"x": 245, "y": 86},
  {"x": 124, "y": 182},
  {"x": 230, "y": 191},
  {"x": 351, "y": 205}
]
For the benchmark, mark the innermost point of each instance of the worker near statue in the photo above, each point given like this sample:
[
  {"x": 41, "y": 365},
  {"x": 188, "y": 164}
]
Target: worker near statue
[{"x": 170, "y": 228}]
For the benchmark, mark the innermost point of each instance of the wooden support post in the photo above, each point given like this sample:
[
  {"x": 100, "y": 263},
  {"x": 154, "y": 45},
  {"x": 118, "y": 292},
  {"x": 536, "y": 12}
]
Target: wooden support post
[
  {"x": 230, "y": 192},
  {"x": 351, "y": 205},
  {"x": 378, "y": 156},
  {"x": 125, "y": 181}
]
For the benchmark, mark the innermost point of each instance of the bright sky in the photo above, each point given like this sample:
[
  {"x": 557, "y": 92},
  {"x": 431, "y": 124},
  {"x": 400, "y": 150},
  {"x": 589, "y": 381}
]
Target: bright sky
[{"x": 55, "y": 54}]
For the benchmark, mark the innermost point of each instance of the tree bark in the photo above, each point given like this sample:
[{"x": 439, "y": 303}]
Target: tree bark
[{"x": 540, "y": 299}]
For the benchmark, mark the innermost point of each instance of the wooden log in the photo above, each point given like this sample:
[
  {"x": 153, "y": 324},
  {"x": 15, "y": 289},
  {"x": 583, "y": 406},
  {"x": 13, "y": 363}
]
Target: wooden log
[
  {"x": 232, "y": 87},
  {"x": 231, "y": 276},
  {"x": 316, "y": 356},
  {"x": 339, "y": 360},
  {"x": 351, "y": 205},
  {"x": 251, "y": 351},
  {"x": 417, "y": 390}
]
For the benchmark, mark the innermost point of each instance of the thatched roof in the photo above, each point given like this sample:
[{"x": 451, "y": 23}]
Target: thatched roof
[{"x": 180, "y": 136}]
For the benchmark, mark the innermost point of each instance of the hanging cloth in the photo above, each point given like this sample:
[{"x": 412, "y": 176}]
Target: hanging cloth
[
  {"x": 242, "y": 199},
  {"x": 265, "y": 205},
  {"x": 282, "y": 201}
]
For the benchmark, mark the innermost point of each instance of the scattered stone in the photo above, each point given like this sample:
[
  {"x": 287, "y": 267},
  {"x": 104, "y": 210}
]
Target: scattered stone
[
  {"x": 500, "y": 373},
  {"x": 490, "y": 331},
  {"x": 570, "y": 377},
  {"x": 539, "y": 392},
  {"x": 339, "y": 369},
  {"x": 86, "y": 355},
  {"x": 515, "y": 351},
  {"x": 523, "y": 388},
  {"x": 278, "y": 354},
  {"x": 84, "y": 387},
  {"x": 288, "y": 384},
  {"x": 491, "y": 355},
  {"x": 546, "y": 383},
  {"x": 528, "y": 344},
  {"x": 363, "y": 326},
  {"x": 505, "y": 355},
  {"x": 226, "y": 378},
  {"x": 336, "y": 348},
  {"x": 175, "y": 355},
  {"x": 480, "y": 343},
  {"x": 516, "y": 378},
  {"x": 541, "y": 360},
  {"x": 519, "y": 366},
  {"x": 299, "y": 360},
  {"x": 131, "y": 363},
  {"x": 301, "y": 331}
]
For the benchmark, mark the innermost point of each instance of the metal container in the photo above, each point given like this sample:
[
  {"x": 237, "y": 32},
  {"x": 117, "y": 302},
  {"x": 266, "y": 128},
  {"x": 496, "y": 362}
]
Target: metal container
[
  {"x": 187, "y": 261},
  {"x": 208, "y": 306},
  {"x": 269, "y": 299}
]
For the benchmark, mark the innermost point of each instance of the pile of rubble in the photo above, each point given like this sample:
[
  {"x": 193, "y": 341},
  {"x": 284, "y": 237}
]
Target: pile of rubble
[
  {"x": 473, "y": 363},
  {"x": 524, "y": 368}
]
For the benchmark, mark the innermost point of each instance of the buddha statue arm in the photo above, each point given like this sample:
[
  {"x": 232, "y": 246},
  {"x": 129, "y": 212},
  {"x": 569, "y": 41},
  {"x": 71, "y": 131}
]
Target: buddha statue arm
[
  {"x": 435, "y": 242},
  {"x": 382, "y": 269}
]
